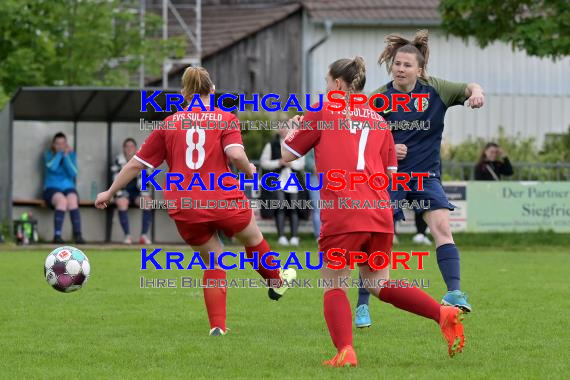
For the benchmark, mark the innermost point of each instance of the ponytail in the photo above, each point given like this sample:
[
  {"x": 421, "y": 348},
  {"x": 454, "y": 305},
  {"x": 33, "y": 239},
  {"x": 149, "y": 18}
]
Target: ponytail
[
  {"x": 196, "y": 80},
  {"x": 417, "y": 46},
  {"x": 353, "y": 72}
]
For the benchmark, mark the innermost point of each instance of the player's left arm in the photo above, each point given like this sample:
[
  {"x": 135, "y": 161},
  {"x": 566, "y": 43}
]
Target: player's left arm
[
  {"x": 238, "y": 157},
  {"x": 456, "y": 93},
  {"x": 234, "y": 150},
  {"x": 475, "y": 95}
]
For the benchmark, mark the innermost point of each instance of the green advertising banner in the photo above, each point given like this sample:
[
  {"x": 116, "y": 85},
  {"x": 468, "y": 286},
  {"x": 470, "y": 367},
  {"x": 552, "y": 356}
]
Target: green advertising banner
[{"x": 518, "y": 206}]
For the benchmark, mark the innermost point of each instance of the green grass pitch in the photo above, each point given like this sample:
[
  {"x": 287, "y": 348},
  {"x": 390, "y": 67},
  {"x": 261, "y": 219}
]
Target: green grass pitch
[{"x": 114, "y": 329}]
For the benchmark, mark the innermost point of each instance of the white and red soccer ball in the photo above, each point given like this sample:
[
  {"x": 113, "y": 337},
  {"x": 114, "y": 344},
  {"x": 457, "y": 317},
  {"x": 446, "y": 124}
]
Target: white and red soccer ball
[{"x": 67, "y": 269}]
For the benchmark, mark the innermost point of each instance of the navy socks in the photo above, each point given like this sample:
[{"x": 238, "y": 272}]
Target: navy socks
[{"x": 448, "y": 261}]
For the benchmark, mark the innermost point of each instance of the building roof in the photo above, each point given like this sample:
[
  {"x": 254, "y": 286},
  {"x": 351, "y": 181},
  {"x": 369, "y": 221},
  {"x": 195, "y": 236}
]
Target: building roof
[
  {"x": 413, "y": 12},
  {"x": 224, "y": 25}
]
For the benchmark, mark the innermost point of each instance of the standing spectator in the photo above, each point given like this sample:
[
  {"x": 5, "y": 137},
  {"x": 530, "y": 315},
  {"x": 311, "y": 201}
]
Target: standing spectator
[
  {"x": 492, "y": 164},
  {"x": 60, "y": 166},
  {"x": 131, "y": 195},
  {"x": 271, "y": 160},
  {"x": 314, "y": 195},
  {"x": 421, "y": 227}
]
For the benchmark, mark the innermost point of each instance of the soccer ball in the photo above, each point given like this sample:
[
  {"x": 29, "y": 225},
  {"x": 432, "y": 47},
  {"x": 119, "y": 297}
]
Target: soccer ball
[{"x": 67, "y": 269}]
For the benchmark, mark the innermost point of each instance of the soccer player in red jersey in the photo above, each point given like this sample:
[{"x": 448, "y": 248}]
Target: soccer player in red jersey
[
  {"x": 191, "y": 150},
  {"x": 366, "y": 150}
]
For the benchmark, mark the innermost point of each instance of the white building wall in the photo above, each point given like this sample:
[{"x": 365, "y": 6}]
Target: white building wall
[{"x": 525, "y": 95}]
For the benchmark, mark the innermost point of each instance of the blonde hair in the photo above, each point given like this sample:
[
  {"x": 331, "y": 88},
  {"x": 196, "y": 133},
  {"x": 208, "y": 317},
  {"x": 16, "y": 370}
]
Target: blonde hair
[
  {"x": 196, "y": 80},
  {"x": 398, "y": 44},
  {"x": 353, "y": 72}
]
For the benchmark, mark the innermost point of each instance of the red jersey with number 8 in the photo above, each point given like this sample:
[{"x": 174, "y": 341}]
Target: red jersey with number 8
[
  {"x": 189, "y": 151},
  {"x": 351, "y": 146}
]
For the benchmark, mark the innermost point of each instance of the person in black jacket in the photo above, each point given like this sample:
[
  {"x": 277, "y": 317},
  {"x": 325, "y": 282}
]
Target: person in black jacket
[
  {"x": 271, "y": 161},
  {"x": 492, "y": 164}
]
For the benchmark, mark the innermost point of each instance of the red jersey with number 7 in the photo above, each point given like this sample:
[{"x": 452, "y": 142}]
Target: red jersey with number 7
[
  {"x": 190, "y": 150},
  {"x": 351, "y": 146}
]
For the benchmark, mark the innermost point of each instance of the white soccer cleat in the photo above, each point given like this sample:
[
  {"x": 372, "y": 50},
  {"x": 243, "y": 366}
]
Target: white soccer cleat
[
  {"x": 128, "y": 240},
  {"x": 217, "y": 331},
  {"x": 294, "y": 241},
  {"x": 287, "y": 276},
  {"x": 145, "y": 240},
  {"x": 418, "y": 238},
  {"x": 283, "y": 241},
  {"x": 426, "y": 241}
]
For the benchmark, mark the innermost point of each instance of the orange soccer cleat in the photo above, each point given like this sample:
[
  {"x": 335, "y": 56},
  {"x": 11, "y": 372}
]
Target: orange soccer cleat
[
  {"x": 345, "y": 358},
  {"x": 452, "y": 329}
]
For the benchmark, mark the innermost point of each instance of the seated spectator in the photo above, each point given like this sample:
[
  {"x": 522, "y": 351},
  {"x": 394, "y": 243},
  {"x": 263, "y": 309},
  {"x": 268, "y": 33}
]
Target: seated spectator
[
  {"x": 271, "y": 161},
  {"x": 59, "y": 193},
  {"x": 131, "y": 195},
  {"x": 492, "y": 164}
]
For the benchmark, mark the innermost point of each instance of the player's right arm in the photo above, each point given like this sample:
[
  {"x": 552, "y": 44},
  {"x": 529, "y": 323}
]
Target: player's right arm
[
  {"x": 129, "y": 172},
  {"x": 151, "y": 154},
  {"x": 299, "y": 141},
  {"x": 52, "y": 160}
]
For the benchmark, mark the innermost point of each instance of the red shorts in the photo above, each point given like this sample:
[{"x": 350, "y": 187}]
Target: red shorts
[
  {"x": 199, "y": 233},
  {"x": 367, "y": 242}
]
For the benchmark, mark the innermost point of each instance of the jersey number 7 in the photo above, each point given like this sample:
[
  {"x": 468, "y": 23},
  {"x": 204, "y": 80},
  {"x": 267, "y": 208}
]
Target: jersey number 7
[{"x": 361, "y": 144}]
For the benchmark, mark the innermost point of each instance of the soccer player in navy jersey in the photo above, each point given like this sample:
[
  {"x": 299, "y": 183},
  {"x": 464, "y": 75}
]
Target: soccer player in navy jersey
[{"x": 418, "y": 150}]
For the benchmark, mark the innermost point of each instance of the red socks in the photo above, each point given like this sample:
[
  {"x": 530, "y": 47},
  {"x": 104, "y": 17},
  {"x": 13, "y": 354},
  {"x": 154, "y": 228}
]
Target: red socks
[
  {"x": 413, "y": 300},
  {"x": 339, "y": 317},
  {"x": 263, "y": 248},
  {"x": 215, "y": 298}
]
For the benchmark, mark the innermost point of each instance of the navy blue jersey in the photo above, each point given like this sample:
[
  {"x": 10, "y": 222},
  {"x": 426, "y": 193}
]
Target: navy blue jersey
[{"x": 421, "y": 132}]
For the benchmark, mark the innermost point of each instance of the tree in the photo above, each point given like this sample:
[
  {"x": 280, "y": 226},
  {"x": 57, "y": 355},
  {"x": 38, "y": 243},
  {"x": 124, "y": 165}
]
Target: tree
[
  {"x": 77, "y": 42},
  {"x": 541, "y": 28}
]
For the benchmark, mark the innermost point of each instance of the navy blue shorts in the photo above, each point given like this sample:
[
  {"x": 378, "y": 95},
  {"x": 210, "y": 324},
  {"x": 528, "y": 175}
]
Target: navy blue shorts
[
  {"x": 50, "y": 192},
  {"x": 432, "y": 192}
]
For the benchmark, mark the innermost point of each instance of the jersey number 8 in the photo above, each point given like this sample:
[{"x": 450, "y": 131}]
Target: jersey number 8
[{"x": 199, "y": 146}]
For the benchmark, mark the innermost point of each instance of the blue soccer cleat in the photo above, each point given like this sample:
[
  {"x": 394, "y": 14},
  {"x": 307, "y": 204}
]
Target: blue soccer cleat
[
  {"x": 458, "y": 299},
  {"x": 362, "y": 317}
]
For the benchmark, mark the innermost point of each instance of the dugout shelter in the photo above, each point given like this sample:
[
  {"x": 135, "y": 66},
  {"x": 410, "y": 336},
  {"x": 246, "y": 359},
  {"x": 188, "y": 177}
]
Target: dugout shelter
[{"x": 96, "y": 121}]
